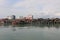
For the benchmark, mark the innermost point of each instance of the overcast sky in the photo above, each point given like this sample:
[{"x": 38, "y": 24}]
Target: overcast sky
[{"x": 38, "y": 8}]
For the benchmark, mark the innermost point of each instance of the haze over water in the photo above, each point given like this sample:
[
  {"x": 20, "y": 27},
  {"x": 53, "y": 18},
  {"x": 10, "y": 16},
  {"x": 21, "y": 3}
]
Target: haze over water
[{"x": 30, "y": 32}]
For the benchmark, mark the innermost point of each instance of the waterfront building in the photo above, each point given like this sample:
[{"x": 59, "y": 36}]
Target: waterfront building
[
  {"x": 20, "y": 17},
  {"x": 30, "y": 17},
  {"x": 8, "y": 17},
  {"x": 13, "y": 17}
]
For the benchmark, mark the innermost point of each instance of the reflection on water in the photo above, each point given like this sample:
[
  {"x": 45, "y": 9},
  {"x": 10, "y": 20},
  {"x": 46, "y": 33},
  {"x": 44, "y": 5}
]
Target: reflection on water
[
  {"x": 32, "y": 25},
  {"x": 30, "y": 32}
]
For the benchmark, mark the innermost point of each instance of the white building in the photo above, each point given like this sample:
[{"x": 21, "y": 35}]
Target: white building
[{"x": 21, "y": 17}]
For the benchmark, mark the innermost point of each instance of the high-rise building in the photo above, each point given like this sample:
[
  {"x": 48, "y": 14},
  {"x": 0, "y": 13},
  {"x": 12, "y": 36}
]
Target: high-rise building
[
  {"x": 13, "y": 17},
  {"x": 20, "y": 17},
  {"x": 29, "y": 17}
]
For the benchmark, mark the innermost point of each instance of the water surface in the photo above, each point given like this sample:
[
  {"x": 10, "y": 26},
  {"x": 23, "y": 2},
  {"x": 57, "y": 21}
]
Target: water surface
[{"x": 30, "y": 32}]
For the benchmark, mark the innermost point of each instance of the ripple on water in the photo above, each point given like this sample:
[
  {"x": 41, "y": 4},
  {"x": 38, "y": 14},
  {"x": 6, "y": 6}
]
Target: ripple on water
[{"x": 29, "y": 33}]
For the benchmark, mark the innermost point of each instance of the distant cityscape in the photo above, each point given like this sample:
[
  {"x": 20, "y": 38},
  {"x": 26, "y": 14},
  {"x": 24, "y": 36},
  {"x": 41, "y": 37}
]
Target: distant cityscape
[{"x": 28, "y": 20}]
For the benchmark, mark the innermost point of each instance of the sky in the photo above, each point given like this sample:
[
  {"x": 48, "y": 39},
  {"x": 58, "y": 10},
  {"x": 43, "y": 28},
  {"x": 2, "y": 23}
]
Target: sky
[{"x": 37, "y": 8}]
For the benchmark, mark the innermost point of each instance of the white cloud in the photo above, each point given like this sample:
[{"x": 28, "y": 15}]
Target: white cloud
[
  {"x": 33, "y": 6},
  {"x": 36, "y": 7},
  {"x": 2, "y": 2}
]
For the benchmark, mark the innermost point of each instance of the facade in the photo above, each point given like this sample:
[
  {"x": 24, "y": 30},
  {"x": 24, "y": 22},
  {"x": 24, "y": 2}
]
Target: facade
[
  {"x": 13, "y": 17},
  {"x": 21, "y": 17},
  {"x": 8, "y": 17}
]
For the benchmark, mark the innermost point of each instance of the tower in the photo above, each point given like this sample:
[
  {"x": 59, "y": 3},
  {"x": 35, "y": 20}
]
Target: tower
[{"x": 13, "y": 17}]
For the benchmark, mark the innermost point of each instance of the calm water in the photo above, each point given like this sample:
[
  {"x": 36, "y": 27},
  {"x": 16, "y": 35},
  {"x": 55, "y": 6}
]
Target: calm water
[{"x": 30, "y": 32}]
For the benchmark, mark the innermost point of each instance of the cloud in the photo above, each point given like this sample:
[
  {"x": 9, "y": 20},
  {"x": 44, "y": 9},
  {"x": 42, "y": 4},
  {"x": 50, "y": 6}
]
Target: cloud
[
  {"x": 2, "y": 2},
  {"x": 38, "y": 8}
]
